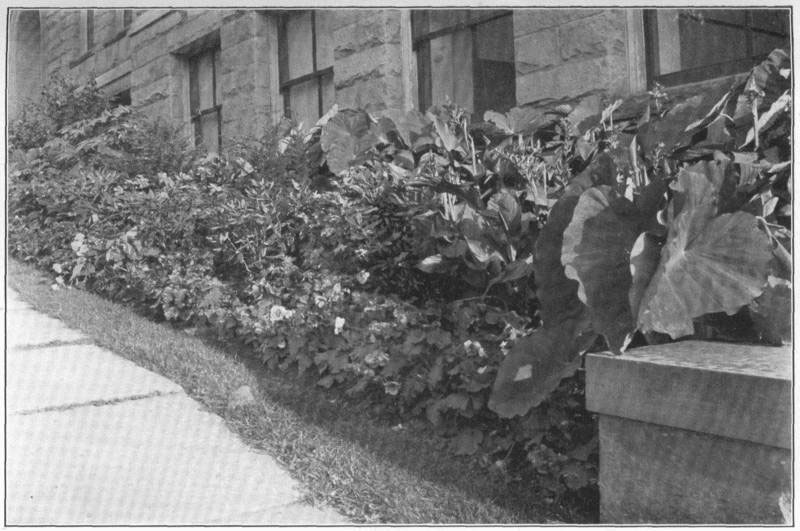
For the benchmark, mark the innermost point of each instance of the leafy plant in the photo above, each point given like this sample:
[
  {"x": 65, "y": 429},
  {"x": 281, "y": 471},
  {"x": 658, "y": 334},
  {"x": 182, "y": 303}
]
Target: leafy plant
[{"x": 688, "y": 237}]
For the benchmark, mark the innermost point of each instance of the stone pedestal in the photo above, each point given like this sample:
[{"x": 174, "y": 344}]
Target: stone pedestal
[{"x": 694, "y": 432}]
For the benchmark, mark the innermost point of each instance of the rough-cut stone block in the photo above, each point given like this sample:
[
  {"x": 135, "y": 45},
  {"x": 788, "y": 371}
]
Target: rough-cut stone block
[
  {"x": 366, "y": 33},
  {"x": 383, "y": 60},
  {"x": 609, "y": 74},
  {"x": 530, "y": 20},
  {"x": 382, "y": 92},
  {"x": 536, "y": 51},
  {"x": 197, "y": 24},
  {"x": 693, "y": 432},
  {"x": 661, "y": 475},
  {"x": 345, "y": 17},
  {"x": 602, "y": 34}
]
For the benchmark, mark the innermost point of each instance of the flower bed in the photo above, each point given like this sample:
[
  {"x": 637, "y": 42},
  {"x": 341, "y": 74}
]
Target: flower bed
[{"x": 434, "y": 266}]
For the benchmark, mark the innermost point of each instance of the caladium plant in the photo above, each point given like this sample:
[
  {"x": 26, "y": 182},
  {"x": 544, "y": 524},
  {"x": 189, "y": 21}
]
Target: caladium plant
[{"x": 696, "y": 239}]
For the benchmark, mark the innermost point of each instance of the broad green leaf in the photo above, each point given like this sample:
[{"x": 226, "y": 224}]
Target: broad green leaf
[
  {"x": 709, "y": 263},
  {"x": 557, "y": 294},
  {"x": 595, "y": 252},
  {"x": 410, "y": 125},
  {"x": 535, "y": 366},
  {"x": 430, "y": 264},
  {"x": 772, "y": 311},
  {"x": 467, "y": 441},
  {"x": 519, "y": 120},
  {"x": 507, "y": 205},
  {"x": 450, "y": 140},
  {"x": 779, "y": 108},
  {"x": 645, "y": 256},
  {"x": 345, "y": 139},
  {"x": 670, "y": 130}
]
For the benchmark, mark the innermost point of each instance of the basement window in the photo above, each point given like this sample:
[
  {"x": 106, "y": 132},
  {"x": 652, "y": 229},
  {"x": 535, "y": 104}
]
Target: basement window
[
  {"x": 466, "y": 57},
  {"x": 305, "y": 59},
  {"x": 690, "y": 45},
  {"x": 204, "y": 99}
]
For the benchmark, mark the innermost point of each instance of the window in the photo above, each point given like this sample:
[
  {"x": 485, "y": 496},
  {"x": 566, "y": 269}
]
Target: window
[
  {"x": 305, "y": 50},
  {"x": 688, "y": 45},
  {"x": 205, "y": 98},
  {"x": 466, "y": 57}
]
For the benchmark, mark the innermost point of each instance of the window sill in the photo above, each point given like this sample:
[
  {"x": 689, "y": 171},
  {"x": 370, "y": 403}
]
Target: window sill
[
  {"x": 78, "y": 60},
  {"x": 118, "y": 37}
]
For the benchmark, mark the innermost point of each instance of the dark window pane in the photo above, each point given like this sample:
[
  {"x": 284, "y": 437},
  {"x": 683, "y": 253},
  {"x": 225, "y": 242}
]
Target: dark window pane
[
  {"x": 776, "y": 21},
  {"x": 89, "y": 29},
  {"x": 304, "y": 102},
  {"x": 495, "y": 72},
  {"x": 704, "y": 43}
]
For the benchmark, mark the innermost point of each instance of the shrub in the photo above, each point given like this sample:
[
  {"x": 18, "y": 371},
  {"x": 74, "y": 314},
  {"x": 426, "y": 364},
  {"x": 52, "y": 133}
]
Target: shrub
[{"x": 63, "y": 102}]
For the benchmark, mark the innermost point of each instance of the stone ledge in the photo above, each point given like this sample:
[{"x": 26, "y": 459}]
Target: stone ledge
[{"x": 731, "y": 390}]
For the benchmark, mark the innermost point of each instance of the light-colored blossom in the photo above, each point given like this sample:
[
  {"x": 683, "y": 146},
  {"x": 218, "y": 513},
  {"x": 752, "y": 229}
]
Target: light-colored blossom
[{"x": 338, "y": 325}]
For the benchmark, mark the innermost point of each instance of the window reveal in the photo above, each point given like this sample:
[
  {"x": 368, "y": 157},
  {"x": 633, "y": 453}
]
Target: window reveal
[
  {"x": 305, "y": 47},
  {"x": 204, "y": 100}
]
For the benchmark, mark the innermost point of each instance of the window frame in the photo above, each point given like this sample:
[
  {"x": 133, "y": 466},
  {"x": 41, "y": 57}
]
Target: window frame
[
  {"x": 285, "y": 83},
  {"x": 700, "y": 73},
  {"x": 420, "y": 45},
  {"x": 196, "y": 113},
  {"x": 87, "y": 28}
]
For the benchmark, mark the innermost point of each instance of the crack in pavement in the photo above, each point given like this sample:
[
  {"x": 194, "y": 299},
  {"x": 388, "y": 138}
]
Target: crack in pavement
[
  {"x": 96, "y": 403},
  {"x": 54, "y": 343}
]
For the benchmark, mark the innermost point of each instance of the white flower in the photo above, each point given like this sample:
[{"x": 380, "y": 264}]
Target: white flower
[
  {"x": 362, "y": 277},
  {"x": 338, "y": 325},
  {"x": 391, "y": 388},
  {"x": 376, "y": 357},
  {"x": 279, "y": 313},
  {"x": 474, "y": 348},
  {"x": 401, "y": 316}
]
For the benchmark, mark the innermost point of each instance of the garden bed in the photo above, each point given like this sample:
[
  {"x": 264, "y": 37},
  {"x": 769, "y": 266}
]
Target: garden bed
[{"x": 440, "y": 269}]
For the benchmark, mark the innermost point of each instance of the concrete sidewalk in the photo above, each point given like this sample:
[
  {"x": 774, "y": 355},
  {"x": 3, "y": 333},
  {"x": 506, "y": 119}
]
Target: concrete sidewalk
[{"x": 93, "y": 439}]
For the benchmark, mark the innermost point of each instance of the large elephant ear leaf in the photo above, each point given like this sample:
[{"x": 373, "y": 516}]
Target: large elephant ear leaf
[
  {"x": 595, "y": 252},
  {"x": 645, "y": 257},
  {"x": 772, "y": 311},
  {"x": 709, "y": 264},
  {"x": 558, "y": 295},
  {"x": 534, "y": 367},
  {"x": 345, "y": 138}
]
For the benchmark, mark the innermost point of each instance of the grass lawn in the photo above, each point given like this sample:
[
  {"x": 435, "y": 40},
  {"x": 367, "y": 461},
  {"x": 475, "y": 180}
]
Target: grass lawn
[{"x": 369, "y": 468}]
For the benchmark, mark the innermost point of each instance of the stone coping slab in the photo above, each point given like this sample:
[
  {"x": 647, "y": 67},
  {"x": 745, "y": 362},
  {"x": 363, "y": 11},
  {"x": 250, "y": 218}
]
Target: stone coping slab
[{"x": 731, "y": 390}]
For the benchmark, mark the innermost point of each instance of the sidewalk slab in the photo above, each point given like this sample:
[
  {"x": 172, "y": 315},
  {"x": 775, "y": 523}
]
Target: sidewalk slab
[
  {"x": 28, "y": 327},
  {"x": 13, "y": 302},
  {"x": 50, "y": 377},
  {"x": 159, "y": 460}
]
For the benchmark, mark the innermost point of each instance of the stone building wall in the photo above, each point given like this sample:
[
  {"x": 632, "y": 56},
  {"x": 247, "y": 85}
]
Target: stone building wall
[
  {"x": 558, "y": 52},
  {"x": 368, "y": 67},
  {"x": 567, "y": 52}
]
